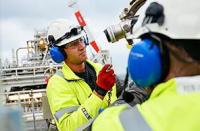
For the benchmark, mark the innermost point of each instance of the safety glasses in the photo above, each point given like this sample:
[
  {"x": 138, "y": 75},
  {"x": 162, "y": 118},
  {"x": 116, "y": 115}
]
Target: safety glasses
[
  {"x": 73, "y": 32},
  {"x": 74, "y": 44}
]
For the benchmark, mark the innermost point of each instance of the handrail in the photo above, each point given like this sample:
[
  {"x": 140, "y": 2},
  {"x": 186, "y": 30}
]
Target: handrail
[
  {"x": 30, "y": 67},
  {"x": 25, "y": 72},
  {"x": 26, "y": 91}
]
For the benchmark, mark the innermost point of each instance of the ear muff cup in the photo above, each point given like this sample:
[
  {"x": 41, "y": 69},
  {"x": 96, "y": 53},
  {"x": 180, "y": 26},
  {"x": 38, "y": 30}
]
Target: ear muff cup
[
  {"x": 146, "y": 63},
  {"x": 56, "y": 54}
]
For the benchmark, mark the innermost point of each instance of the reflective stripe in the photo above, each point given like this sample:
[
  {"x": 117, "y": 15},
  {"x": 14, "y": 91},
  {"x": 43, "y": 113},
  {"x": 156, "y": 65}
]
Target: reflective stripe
[
  {"x": 186, "y": 85},
  {"x": 59, "y": 73},
  {"x": 61, "y": 112},
  {"x": 87, "y": 126},
  {"x": 131, "y": 119}
]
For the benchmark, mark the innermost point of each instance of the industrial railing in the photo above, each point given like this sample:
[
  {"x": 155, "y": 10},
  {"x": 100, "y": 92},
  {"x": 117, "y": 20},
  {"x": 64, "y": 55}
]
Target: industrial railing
[{"x": 33, "y": 104}]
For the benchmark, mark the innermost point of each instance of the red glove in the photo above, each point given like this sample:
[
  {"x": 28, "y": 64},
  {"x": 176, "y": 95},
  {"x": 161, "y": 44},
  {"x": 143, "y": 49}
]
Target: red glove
[{"x": 106, "y": 78}]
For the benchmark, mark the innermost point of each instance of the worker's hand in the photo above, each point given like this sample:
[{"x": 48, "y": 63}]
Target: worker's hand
[{"x": 105, "y": 80}]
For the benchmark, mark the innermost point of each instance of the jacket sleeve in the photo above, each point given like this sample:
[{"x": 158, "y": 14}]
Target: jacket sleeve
[{"x": 66, "y": 109}]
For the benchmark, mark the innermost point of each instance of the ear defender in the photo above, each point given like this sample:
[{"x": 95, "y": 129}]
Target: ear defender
[
  {"x": 55, "y": 52},
  {"x": 144, "y": 63},
  {"x": 56, "y": 55}
]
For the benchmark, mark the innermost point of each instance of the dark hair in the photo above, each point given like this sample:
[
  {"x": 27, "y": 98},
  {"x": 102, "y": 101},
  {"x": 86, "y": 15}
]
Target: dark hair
[{"x": 192, "y": 47}]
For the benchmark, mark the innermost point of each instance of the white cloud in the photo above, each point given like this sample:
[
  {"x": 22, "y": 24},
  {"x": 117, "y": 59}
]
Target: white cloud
[{"x": 14, "y": 35}]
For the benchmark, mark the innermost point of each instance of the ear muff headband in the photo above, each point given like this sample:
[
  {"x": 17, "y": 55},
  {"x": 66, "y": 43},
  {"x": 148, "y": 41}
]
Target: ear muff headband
[{"x": 164, "y": 55}]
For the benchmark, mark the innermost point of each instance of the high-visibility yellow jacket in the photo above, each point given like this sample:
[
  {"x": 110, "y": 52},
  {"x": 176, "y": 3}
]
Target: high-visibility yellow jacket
[
  {"x": 172, "y": 106},
  {"x": 71, "y": 100}
]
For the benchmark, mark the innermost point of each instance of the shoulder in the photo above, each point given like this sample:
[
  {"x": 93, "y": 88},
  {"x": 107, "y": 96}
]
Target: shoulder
[
  {"x": 55, "y": 81},
  {"x": 112, "y": 118},
  {"x": 57, "y": 77}
]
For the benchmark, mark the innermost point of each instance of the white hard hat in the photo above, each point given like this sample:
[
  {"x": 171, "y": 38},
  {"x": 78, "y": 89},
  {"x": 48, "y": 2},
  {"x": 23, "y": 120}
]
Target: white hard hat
[
  {"x": 58, "y": 30},
  {"x": 180, "y": 20}
]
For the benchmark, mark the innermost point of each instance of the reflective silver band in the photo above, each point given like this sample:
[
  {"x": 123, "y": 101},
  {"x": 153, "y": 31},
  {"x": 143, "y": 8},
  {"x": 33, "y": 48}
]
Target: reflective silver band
[
  {"x": 131, "y": 119},
  {"x": 61, "y": 112},
  {"x": 59, "y": 73},
  {"x": 87, "y": 126}
]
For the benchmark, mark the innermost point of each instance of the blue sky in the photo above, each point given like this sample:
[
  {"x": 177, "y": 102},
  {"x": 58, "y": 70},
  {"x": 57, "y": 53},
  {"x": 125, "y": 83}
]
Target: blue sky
[{"x": 19, "y": 19}]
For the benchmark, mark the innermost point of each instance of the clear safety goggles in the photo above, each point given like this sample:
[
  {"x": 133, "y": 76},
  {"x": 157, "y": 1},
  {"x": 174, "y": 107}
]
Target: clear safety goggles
[{"x": 73, "y": 32}]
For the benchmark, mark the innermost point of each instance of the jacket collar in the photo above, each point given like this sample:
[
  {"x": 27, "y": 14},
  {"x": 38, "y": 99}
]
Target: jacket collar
[
  {"x": 180, "y": 85},
  {"x": 70, "y": 75}
]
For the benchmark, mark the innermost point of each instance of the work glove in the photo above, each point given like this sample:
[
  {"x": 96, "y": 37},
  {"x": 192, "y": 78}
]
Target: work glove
[{"x": 105, "y": 80}]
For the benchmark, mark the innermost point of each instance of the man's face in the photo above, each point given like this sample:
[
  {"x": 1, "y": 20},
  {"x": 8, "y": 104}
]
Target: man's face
[{"x": 76, "y": 52}]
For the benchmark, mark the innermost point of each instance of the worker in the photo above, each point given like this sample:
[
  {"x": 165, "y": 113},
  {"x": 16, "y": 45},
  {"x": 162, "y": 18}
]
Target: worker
[
  {"x": 166, "y": 62},
  {"x": 81, "y": 89}
]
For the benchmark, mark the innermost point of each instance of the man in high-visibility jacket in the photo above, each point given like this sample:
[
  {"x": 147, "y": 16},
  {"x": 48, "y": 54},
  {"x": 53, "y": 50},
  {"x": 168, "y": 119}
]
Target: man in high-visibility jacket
[
  {"x": 165, "y": 62},
  {"x": 81, "y": 89}
]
